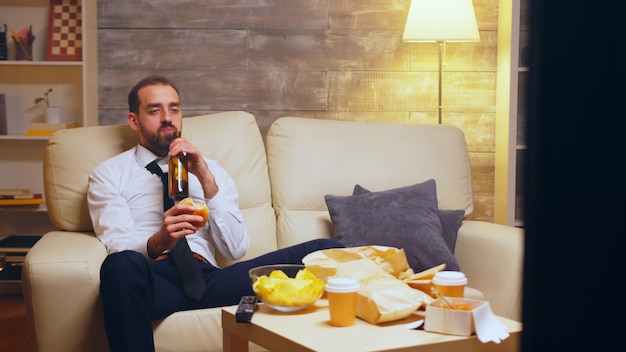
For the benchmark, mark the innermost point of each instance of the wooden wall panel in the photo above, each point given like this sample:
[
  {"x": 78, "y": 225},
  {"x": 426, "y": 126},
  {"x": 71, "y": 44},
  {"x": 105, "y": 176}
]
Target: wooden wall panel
[
  {"x": 329, "y": 49},
  {"x": 217, "y": 14},
  {"x": 478, "y": 127},
  {"x": 411, "y": 91},
  {"x": 469, "y": 91},
  {"x": 479, "y": 56},
  {"x": 483, "y": 207},
  {"x": 323, "y": 59},
  {"x": 226, "y": 89},
  {"x": 368, "y": 14},
  {"x": 486, "y": 14},
  {"x": 170, "y": 49},
  {"x": 483, "y": 172}
]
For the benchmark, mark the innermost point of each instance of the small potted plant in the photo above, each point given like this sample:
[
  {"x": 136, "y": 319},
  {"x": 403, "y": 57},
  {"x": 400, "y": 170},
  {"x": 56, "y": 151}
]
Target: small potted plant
[{"x": 53, "y": 113}]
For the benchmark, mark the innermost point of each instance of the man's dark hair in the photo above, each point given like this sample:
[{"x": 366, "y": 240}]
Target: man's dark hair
[{"x": 133, "y": 97}]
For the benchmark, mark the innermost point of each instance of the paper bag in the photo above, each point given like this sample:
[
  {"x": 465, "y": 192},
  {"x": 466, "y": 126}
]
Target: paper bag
[
  {"x": 390, "y": 259},
  {"x": 382, "y": 296}
]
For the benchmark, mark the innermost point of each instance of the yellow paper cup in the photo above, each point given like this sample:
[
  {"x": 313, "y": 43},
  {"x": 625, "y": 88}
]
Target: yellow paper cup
[
  {"x": 450, "y": 283},
  {"x": 342, "y": 296}
]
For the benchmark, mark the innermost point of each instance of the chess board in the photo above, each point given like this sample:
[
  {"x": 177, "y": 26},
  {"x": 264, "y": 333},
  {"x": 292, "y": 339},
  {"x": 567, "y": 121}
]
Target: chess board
[{"x": 65, "y": 31}]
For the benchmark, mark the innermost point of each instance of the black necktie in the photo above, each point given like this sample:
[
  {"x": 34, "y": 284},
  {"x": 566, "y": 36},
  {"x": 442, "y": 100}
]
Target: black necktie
[{"x": 187, "y": 266}]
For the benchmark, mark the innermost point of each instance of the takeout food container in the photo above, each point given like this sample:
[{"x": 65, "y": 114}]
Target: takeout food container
[{"x": 442, "y": 319}]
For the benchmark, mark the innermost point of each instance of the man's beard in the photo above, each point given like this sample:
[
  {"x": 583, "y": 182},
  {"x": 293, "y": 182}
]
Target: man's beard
[{"x": 160, "y": 142}]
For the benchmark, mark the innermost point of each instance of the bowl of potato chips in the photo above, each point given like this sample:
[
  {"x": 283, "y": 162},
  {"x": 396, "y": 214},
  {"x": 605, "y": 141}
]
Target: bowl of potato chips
[{"x": 286, "y": 287}]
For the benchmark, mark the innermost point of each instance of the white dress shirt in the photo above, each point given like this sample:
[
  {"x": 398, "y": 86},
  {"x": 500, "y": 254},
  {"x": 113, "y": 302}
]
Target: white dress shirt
[{"x": 126, "y": 207}]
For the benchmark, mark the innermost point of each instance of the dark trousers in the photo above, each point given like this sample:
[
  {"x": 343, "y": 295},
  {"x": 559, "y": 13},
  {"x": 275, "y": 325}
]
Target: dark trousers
[{"x": 135, "y": 291}]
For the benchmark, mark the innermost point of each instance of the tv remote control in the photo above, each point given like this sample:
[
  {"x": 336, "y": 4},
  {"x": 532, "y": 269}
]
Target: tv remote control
[{"x": 246, "y": 307}]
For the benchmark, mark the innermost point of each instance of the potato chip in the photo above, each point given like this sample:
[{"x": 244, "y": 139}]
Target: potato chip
[{"x": 278, "y": 274}]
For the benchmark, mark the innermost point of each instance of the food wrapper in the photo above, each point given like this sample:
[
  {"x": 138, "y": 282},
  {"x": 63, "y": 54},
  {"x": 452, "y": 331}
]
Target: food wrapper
[
  {"x": 422, "y": 280},
  {"x": 383, "y": 297},
  {"x": 390, "y": 259}
]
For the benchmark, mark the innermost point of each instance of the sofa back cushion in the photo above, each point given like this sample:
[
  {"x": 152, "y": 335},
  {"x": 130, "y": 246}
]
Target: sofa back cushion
[
  {"x": 231, "y": 138},
  {"x": 234, "y": 140},
  {"x": 309, "y": 158},
  {"x": 69, "y": 157}
]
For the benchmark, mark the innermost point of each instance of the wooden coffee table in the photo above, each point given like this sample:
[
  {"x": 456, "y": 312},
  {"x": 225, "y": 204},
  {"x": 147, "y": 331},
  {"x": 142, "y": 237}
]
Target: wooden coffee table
[{"x": 310, "y": 330}]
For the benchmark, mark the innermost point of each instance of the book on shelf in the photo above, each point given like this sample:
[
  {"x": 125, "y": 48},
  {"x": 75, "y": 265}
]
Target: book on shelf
[
  {"x": 28, "y": 195},
  {"x": 51, "y": 126},
  {"x": 14, "y": 191},
  {"x": 34, "y": 200},
  {"x": 47, "y": 129},
  {"x": 19, "y": 196},
  {"x": 3, "y": 114},
  {"x": 31, "y": 201}
]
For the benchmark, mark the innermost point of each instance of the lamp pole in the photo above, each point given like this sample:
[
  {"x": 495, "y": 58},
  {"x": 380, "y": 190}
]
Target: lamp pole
[
  {"x": 441, "y": 21},
  {"x": 441, "y": 45}
]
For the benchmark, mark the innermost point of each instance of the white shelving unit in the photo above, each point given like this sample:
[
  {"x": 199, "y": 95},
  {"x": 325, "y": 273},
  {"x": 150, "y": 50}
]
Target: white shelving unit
[
  {"x": 511, "y": 119},
  {"x": 75, "y": 89}
]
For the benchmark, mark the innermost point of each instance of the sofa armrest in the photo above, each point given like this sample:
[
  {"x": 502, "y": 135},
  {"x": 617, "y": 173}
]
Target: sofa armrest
[
  {"x": 61, "y": 283},
  {"x": 491, "y": 256}
]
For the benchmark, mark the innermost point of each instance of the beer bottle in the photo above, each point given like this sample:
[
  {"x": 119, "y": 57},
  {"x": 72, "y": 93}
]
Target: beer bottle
[{"x": 178, "y": 177}]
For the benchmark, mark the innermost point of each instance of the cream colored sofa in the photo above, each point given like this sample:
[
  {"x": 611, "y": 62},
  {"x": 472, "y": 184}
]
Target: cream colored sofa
[{"x": 282, "y": 199}]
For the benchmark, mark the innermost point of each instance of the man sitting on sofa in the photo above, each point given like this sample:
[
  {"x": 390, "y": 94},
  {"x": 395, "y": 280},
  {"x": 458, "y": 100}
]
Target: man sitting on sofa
[{"x": 140, "y": 278}]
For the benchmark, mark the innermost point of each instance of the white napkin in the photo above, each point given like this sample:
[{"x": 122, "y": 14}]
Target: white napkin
[{"x": 488, "y": 327}]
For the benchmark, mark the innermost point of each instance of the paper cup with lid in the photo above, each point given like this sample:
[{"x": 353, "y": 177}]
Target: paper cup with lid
[
  {"x": 450, "y": 283},
  {"x": 342, "y": 296}
]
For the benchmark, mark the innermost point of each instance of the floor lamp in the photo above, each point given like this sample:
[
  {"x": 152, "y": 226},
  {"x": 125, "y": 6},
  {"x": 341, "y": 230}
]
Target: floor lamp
[{"x": 441, "y": 21}]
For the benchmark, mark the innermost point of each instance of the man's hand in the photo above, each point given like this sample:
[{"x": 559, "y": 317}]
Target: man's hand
[
  {"x": 178, "y": 221},
  {"x": 195, "y": 165}
]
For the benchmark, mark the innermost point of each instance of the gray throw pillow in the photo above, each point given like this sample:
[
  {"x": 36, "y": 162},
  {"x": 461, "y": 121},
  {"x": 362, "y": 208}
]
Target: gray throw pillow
[
  {"x": 403, "y": 218},
  {"x": 451, "y": 220}
]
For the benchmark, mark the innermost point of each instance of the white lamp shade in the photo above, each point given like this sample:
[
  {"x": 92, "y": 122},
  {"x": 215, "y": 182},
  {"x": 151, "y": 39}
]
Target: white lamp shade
[{"x": 441, "y": 21}]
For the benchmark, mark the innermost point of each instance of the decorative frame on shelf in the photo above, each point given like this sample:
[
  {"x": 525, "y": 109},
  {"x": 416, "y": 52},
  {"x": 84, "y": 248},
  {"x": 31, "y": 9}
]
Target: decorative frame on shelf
[{"x": 65, "y": 31}]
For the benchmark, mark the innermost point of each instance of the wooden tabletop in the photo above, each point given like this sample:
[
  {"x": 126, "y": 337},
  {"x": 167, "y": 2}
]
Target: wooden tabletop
[{"x": 310, "y": 330}]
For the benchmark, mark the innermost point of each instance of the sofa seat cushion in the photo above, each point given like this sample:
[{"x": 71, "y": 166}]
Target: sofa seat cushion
[{"x": 405, "y": 217}]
